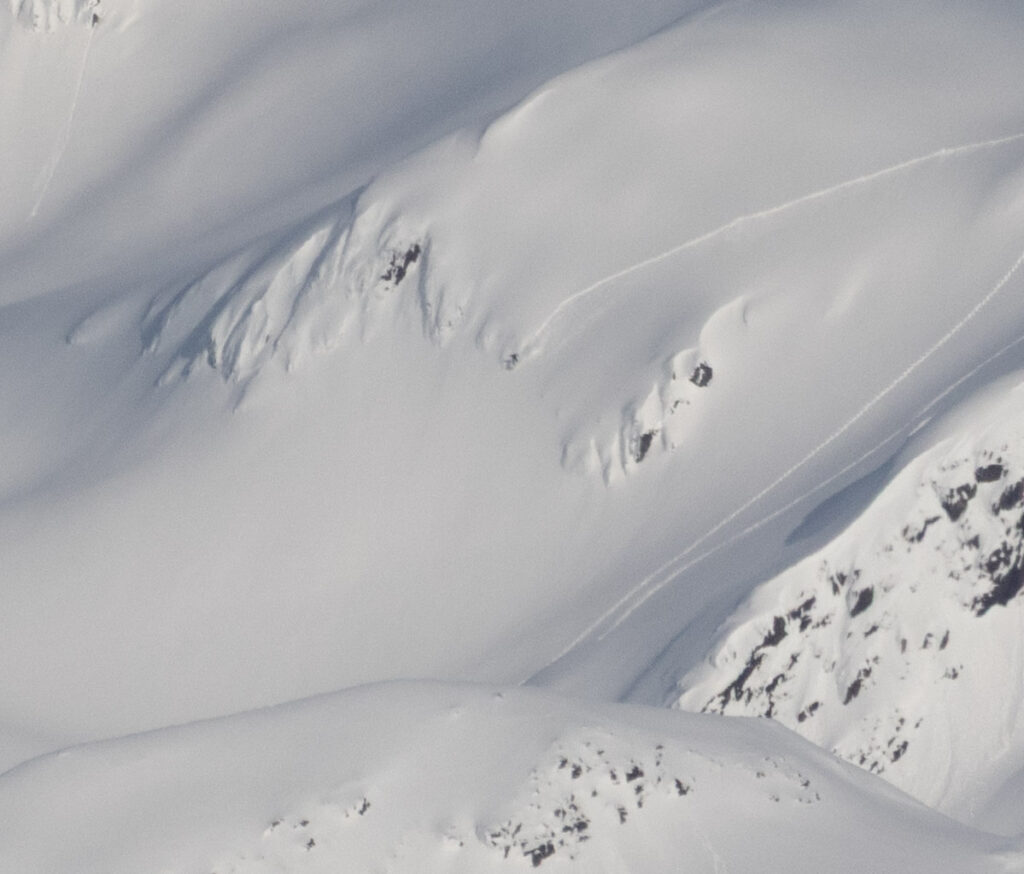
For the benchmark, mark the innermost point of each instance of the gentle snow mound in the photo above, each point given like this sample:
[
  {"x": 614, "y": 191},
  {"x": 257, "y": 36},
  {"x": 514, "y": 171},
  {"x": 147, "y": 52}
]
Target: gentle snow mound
[{"x": 418, "y": 778}]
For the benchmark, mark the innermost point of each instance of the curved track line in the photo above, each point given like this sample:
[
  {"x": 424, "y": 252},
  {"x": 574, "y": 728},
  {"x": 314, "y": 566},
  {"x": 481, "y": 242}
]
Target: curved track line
[
  {"x": 669, "y": 571},
  {"x": 531, "y": 342},
  {"x": 64, "y": 137}
]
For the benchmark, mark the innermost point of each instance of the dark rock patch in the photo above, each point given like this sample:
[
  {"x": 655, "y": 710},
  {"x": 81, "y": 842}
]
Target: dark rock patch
[
  {"x": 539, "y": 854},
  {"x": 400, "y": 264},
  {"x": 917, "y": 536},
  {"x": 990, "y": 473},
  {"x": 802, "y": 613},
  {"x": 1012, "y": 497},
  {"x": 840, "y": 579},
  {"x": 864, "y": 600},
  {"x": 775, "y": 636},
  {"x": 1005, "y": 585},
  {"x": 854, "y": 689},
  {"x": 643, "y": 445},
  {"x": 808, "y": 711},
  {"x": 701, "y": 375},
  {"x": 734, "y": 691},
  {"x": 955, "y": 501}
]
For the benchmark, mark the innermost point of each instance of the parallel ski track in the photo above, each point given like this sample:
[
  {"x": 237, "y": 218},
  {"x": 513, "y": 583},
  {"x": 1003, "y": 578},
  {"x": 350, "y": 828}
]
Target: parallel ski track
[
  {"x": 654, "y": 582},
  {"x": 534, "y": 341}
]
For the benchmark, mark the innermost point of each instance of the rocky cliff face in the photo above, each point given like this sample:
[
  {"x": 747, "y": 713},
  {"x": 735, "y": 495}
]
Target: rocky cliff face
[{"x": 898, "y": 646}]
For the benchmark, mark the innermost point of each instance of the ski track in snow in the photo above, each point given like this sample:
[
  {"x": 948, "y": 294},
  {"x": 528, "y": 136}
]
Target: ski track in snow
[
  {"x": 671, "y": 569},
  {"x": 531, "y": 345},
  {"x": 64, "y": 137}
]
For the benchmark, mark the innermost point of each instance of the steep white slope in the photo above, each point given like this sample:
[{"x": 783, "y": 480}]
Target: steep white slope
[
  {"x": 898, "y": 645},
  {"x": 496, "y": 410},
  {"x": 171, "y": 132},
  {"x": 432, "y": 778}
]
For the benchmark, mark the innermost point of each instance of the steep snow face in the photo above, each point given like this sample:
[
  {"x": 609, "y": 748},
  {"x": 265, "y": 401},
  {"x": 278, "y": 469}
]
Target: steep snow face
[
  {"x": 898, "y": 645},
  {"x": 431, "y": 778},
  {"x": 329, "y": 280},
  {"x": 201, "y": 126}
]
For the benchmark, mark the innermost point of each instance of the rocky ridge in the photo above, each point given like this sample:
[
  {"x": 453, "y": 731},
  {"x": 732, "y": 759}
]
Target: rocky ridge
[{"x": 896, "y": 646}]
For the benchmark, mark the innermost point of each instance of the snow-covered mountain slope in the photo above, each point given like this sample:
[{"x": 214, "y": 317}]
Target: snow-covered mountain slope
[
  {"x": 898, "y": 645},
  {"x": 346, "y": 342},
  {"x": 196, "y": 126},
  {"x": 505, "y": 432},
  {"x": 431, "y": 778}
]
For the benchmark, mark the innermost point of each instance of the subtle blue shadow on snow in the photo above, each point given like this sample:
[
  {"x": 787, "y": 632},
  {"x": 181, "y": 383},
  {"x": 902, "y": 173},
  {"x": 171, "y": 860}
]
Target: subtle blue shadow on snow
[{"x": 834, "y": 514}]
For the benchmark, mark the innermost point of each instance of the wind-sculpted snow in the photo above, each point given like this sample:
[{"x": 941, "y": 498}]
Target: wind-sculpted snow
[
  {"x": 897, "y": 645},
  {"x": 424, "y": 779},
  {"x": 342, "y": 275},
  {"x": 46, "y": 15},
  {"x": 654, "y": 425}
]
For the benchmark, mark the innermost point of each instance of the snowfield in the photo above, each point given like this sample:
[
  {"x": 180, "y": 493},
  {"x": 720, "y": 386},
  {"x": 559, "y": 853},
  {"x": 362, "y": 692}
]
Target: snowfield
[
  {"x": 665, "y": 354},
  {"x": 423, "y": 777}
]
